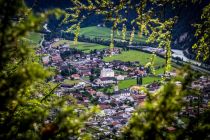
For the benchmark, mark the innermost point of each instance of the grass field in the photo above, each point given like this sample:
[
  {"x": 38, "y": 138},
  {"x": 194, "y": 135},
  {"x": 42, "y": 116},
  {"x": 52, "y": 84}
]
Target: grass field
[
  {"x": 71, "y": 82},
  {"x": 34, "y": 38},
  {"x": 104, "y": 33},
  {"x": 133, "y": 55},
  {"x": 60, "y": 42},
  {"x": 149, "y": 80},
  {"x": 159, "y": 71},
  {"x": 107, "y": 89},
  {"x": 132, "y": 82},
  {"x": 83, "y": 46},
  {"x": 126, "y": 83}
]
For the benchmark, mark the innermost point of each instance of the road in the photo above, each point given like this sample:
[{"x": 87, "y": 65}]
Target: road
[
  {"x": 86, "y": 81},
  {"x": 179, "y": 53},
  {"x": 41, "y": 43},
  {"x": 194, "y": 67},
  {"x": 46, "y": 28}
]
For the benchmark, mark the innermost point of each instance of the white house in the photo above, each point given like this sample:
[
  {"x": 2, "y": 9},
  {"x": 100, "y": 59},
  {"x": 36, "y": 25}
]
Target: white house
[
  {"x": 120, "y": 77},
  {"x": 105, "y": 80},
  {"x": 129, "y": 109},
  {"x": 106, "y": 72},
  {"x": 46, "y": 60}
]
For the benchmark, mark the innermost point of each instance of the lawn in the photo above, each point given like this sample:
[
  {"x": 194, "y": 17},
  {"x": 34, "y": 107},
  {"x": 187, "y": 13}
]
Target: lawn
[
  {"x": 83, "y": 46},
  {"x": 71, "y": 82},
  {"x": 133, "y": 55},
  {"x": 104, "y": 33},
  {"x": 132, "y": 82},
  {"x": 109, "y": 89},
  {"x": 60, "y": 42},
  {"x": 126, "y": 83},
  {"x": 86, "y": 78},
  {"x": 34, "y": 38},
  {"x": 129, "y": 83},
  {"x": 159, "y": 71},
  {"x": 149, "y": 80}
]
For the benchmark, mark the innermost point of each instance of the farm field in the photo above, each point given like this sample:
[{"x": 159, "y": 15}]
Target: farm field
[
  {"x": 133, "y": 55},
  {"x": 83, "y": 46},
  {"x": 104, "y": 33}
]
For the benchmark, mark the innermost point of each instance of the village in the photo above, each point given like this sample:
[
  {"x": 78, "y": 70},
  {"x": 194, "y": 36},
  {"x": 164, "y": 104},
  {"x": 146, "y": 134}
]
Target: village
[{"x": 92, "y": 81}]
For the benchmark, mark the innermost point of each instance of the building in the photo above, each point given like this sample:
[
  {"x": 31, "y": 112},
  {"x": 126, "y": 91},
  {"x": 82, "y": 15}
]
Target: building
[
  {"x": 116, "y": 88},
  {"x": 75, "y": 76},
  {"x": 105, "y": 80},
  {"x": 106, "y": 72},
  {"x": 56, "y": 58},
  {"x": 120, "y": 77},
  {"x": 46, "y": 60}
]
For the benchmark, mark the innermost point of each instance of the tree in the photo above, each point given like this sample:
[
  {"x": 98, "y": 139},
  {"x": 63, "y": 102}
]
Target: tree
[
  {"x": 153, "y": 119},
  {"x": 203, "y": 33},
  {"x": 139, "y": 80},
  {"x": 92, "y": 77},
  {"x": 65, "y": 72},
  {"x": 26, "y": 100}
]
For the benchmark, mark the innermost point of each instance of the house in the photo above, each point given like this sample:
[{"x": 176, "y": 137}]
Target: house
[
  {"x": 109, "y": 111},
  {"x": 59, "y": 78},
  {"x": 107, "y": 72},
  {"x": 56, "y": 39},
  {"x": 104, "y": 106},
  {"x": 140, "y": 72},
  {"x": 56, "y": 58},
  {"x": 46, "y": 60},
  {"x": 121, "y": 94},
  {"x": 84, "y": 70},
  {"x": 105, "y": 80},
  {"x": 75, "y": 76},
  {"x": 129, "y": 109},
  {"x": 120, "y": 77}
]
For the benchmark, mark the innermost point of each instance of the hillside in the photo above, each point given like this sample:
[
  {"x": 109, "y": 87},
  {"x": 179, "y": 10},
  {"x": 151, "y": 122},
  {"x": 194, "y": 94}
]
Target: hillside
[
  {"x": 182, "y": 34},
  {"x": 104, "y": 33},
  {"x": 83, "y": 46}
]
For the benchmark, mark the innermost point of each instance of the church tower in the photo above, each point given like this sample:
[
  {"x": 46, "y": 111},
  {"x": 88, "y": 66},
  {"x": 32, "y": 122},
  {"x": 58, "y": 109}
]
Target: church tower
[{"x": 116, "y": 88}]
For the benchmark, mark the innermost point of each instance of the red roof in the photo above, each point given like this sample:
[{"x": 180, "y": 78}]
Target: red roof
[
  {"x": 75, "y": 75},
  {"x": 171, "y": 129},
  {"x": 114, "y": 123},
  {"x": 103, "y": 106}
]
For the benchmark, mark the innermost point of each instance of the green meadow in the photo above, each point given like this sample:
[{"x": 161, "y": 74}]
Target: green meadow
[
  {"x": 104, "y": 33},
  {"x": 133, "y": 55},
  {"x": 83, "y": 46}
]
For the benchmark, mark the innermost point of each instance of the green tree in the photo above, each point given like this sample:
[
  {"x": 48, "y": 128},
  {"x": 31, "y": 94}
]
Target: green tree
[
  {"x": 202, "y": 46},
  {"x": 160, "y": 112},
  {"x": 28, "y": 107}
]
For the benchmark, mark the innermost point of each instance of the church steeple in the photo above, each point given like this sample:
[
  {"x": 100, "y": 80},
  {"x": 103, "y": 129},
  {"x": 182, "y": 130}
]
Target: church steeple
[{"x": 116, "y": 88}]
